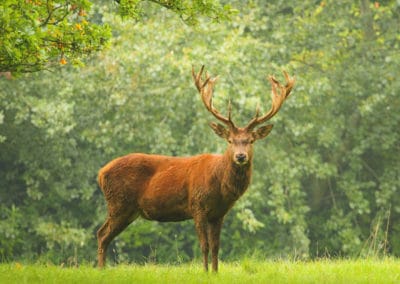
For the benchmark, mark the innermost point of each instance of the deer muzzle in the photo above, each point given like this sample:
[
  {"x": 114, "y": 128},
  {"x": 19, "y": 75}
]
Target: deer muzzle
[{"x": 241, "y": 158}]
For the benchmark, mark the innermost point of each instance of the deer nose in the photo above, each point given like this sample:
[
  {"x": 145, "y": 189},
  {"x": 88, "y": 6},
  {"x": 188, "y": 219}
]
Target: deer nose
[{"x": 241, "y": 157}]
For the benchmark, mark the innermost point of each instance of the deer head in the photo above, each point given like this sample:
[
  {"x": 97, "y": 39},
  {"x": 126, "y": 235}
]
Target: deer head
[{"x": 241, "y": 139}]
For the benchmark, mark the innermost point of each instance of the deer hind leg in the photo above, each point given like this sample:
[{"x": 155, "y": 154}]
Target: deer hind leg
[
  {"x": 111, "y": 228},
  {"x": 214, "y": 232},
  {"x": 101, "y": 251},
  {"x": 201, "y": 229}
]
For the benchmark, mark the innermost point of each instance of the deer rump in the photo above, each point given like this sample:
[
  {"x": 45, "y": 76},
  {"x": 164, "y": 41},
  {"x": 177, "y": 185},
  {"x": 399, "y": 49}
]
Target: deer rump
[{"x": 163, "y": 188}]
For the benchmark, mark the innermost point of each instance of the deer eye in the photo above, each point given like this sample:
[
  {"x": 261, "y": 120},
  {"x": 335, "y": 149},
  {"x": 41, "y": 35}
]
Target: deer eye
[
  {"x": 251, "y": 141},
  {"x": 230, "y": 141}
]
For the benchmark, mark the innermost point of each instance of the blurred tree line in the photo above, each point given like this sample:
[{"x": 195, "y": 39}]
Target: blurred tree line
[{"x": 326, "y": 181}]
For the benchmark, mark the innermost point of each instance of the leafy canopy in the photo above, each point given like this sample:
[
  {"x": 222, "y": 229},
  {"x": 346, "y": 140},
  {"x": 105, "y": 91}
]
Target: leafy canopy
[
  {"x": 37, "y": 34},
  {"x": 40, "y": 34}
]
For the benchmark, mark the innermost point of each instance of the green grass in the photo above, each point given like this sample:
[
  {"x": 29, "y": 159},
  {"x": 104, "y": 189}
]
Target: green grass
[{"x": 247, "y": 271}]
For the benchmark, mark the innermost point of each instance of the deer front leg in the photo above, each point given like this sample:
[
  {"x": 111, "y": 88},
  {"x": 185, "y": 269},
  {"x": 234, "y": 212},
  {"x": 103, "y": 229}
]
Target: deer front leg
[
  {"x": 214, "y": 232},
  {"x": 201, "y": 229}
]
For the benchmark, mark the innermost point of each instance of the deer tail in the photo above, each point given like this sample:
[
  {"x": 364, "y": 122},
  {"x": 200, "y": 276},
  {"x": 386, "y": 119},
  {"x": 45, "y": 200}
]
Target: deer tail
[{"x": 102, "y": 180}]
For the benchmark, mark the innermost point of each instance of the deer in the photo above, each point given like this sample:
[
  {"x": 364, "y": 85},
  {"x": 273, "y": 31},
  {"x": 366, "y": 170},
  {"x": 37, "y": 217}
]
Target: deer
[{"x": 203, "y": 187}]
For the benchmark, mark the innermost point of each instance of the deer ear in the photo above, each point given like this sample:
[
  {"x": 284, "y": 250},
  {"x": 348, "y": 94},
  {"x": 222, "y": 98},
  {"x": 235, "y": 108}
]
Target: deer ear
[
  {"x": 220, "y": 130},
  {"x": 262, "y": 132}
]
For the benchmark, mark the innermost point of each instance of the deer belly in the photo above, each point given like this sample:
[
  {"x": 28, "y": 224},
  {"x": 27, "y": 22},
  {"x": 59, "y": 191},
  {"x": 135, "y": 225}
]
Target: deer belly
[
  {"x": 165, "y": 207},
  {"x": 165, "y": 217},
  {"x": 166, "y": 196}
]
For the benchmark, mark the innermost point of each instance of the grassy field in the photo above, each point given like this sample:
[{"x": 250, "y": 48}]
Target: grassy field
[{"x": 246, "y": 271}]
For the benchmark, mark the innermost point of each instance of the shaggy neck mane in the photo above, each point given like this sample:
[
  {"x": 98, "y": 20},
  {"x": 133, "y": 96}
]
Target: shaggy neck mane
[{"x": 235, "y": 178}]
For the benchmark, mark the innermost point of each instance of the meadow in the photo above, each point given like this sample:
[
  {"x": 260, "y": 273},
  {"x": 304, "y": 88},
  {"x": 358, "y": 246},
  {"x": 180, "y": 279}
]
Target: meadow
[{"x": 246, "y": 271}]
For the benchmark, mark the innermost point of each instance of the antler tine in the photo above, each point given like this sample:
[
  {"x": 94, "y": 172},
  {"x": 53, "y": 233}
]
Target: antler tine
[
  {"x": 229, "y": 111},
  {"x": 277, "y": 99},
  {"x": 197, "y": 77},
  {"x": 206, "y": 89}
]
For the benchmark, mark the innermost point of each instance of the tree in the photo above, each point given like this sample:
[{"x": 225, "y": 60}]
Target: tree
[
  {"x": 37, "y": 35},
  {"x": 326, "y": 181},
  {"x": 188, "y": 10},
  {"x": 40, "y": 34}
]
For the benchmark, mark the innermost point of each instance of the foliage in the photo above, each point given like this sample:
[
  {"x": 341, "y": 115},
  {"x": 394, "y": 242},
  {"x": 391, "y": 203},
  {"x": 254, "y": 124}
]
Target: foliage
[
  {"x": 325, "y": 182},
  {"x": 189, "y": 11},
  {"x": 42, "y": 34},
  {"x": 38, "y": 34}
]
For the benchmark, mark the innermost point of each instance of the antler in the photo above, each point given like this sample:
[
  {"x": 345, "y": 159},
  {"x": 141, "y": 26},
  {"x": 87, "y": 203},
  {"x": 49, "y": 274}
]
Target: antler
[
  {"x": 206, "y": 89},
  {"x": 279, "y": 94}
]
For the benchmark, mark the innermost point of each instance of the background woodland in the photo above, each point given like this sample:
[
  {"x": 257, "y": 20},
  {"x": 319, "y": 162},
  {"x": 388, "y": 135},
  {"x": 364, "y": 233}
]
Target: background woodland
[{"x": 106, "y": 79}]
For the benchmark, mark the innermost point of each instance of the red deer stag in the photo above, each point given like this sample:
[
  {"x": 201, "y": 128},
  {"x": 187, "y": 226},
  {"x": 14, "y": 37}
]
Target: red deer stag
[{"x": 202, "y": 187}]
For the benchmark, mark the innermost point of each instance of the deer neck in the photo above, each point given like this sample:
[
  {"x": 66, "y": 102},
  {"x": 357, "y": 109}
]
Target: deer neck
[{"x": 236, "y": 178}]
